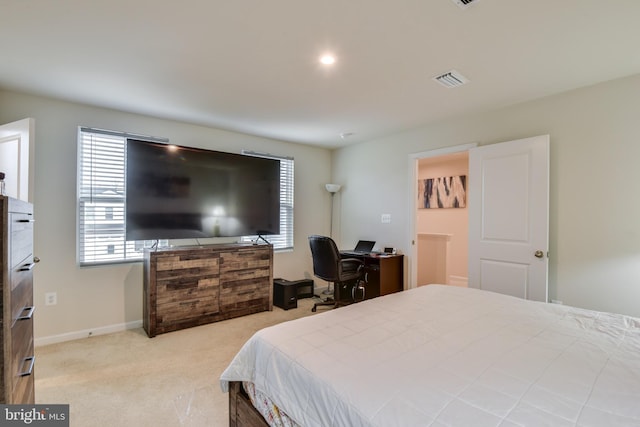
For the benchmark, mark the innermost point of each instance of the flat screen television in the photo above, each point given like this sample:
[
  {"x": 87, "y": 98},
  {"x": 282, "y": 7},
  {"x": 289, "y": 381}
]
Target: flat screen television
[{"x": 175, "y": 192}]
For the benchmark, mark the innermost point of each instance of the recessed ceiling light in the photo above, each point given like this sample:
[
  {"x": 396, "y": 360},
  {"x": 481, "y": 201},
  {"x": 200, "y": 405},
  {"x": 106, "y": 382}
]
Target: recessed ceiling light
[{"x": 327, "y": 59}]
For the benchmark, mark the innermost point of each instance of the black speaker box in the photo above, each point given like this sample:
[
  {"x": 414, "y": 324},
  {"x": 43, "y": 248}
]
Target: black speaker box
[
  {"x": 305, "y": 288},
  {"x": 287, "y": 292}
]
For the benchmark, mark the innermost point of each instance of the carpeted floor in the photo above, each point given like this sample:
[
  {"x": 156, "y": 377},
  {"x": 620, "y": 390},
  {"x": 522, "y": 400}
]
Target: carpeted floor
[{"x": 127, "y": 379}]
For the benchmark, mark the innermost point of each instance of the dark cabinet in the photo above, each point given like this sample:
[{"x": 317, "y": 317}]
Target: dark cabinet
[
  {"x": 16, "y": 263},
  {"x": 191, "y": 286},
  {"x": 385, "y": 274}
]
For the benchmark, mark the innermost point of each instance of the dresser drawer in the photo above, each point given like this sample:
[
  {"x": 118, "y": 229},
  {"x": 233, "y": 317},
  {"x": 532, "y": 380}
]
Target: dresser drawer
[
  {"x": 22, "y": 272},
  {"x": 186, "y": 310},
  {"x": 245, "y": 259},
  {"x": 187, "y": 287},
  {"x": 22, "y": 360},
  {"x": 21, "y": 292},
  {"x": 241, "y": 294},
  {"x": 238, "y": 275},
  {"x": 187, "y": 297},
  {"x": 182, "y": 289},
  {"x": 183, "y": 263},
  {"x": 21, "y": 238},
  {"x": 24, "y": 388},
  {"x": 181, "y": 278}
]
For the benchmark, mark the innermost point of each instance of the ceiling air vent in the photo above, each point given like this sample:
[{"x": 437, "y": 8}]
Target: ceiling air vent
[
  {"x": 451, "y": 79},
  {"x": 463, "y": 4}
]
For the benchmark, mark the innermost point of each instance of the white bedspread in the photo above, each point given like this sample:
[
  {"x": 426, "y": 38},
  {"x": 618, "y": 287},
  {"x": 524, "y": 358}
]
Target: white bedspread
[{"x": 449, "y": 356}]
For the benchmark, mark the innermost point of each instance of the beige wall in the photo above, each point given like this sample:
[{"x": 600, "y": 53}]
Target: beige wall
[
  {"x": 595, "y": 205},
  {"x": 101, "y": 299},
  {"x": 450, "y": 222},
  {"x": 594, "y": 195}
]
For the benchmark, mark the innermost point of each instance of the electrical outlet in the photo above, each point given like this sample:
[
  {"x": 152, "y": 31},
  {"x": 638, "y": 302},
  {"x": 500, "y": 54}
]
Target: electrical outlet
[{"x": 50, "y": 298}]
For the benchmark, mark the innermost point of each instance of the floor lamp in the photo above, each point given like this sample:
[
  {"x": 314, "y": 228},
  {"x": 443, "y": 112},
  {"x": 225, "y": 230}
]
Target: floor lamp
[{"x": 332, "y": 189}]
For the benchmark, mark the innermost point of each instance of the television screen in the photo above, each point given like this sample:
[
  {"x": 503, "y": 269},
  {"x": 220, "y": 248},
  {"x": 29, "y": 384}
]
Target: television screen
[{"x": 176, "y": 192}]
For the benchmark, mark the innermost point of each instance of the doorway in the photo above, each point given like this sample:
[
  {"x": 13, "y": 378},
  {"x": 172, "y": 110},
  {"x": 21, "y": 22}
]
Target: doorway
[
  {"x": 16, "y": 155},
  {"x": 439, "y": 237},
  {"x": 441, "y": 228}
]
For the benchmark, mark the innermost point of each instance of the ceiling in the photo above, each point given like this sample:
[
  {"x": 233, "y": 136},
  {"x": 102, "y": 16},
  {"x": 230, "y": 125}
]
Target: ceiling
[{"x": 252, "y": 66}]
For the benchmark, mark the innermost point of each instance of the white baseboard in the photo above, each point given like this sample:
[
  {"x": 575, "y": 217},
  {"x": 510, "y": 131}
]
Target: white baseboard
[
  {"x": 458, "y": 281},
  {"x": 86, "y": 333}
]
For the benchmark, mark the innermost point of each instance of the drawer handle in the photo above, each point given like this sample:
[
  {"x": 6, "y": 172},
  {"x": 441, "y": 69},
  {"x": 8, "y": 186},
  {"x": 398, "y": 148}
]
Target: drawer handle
[
  {"x": 26, "y": 220},
  {"x": 27, "y": 267},
  {"x": 29, "y": 313},
  {"x": 32, "y": 361}
]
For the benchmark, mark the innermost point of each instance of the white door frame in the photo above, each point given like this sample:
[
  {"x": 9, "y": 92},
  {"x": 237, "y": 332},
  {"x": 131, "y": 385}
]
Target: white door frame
[
  {"x": 18, "y": 138},
  {"x": 414, "y": 158}
]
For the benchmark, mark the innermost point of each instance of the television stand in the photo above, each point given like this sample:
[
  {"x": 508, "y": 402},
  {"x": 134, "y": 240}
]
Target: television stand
[{"x": 195, "y": 285}]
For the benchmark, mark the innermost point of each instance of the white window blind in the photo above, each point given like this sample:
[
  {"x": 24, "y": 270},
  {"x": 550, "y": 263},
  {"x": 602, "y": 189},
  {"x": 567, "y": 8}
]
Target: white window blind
[
  {"x": 101, "y": 200},
  {"x": 284, "y": 240}
]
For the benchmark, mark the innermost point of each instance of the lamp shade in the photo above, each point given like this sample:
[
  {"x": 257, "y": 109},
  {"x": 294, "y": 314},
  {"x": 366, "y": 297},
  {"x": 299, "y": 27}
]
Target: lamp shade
[{"x": 333, "y": 188}]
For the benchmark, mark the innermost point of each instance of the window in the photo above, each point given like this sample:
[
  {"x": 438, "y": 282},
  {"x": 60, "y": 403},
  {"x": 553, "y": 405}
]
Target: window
[
  {"x": 284, "y": 240},
  {"x": 101, "y": 199}
]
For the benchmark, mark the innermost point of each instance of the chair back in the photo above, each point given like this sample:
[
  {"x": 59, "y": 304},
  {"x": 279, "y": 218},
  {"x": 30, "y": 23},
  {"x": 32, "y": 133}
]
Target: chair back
[{"x": 326, "y": 258}]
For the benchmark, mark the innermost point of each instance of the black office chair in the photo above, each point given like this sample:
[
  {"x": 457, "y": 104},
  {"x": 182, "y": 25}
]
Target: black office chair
[{"x": 345, "y": 273}]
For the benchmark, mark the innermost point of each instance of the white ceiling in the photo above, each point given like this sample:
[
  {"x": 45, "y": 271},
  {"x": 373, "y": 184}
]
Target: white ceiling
[{"x": 252, "y": 65}]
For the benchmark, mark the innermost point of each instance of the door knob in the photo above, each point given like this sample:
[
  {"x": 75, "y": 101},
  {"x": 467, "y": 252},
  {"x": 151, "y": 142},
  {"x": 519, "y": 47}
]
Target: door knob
[{"x": 539, "y": 254}]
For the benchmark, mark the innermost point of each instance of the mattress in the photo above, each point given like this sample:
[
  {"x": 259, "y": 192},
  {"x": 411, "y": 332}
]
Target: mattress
[
  {"x": 448, "y": 356},
  {"x": 265, "y": 406}
]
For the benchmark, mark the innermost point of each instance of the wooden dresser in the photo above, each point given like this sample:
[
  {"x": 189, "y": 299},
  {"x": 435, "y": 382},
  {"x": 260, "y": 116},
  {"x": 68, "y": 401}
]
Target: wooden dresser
[
  {"x": 191, "y": 286},
  {"x": 16, "y": 262}
]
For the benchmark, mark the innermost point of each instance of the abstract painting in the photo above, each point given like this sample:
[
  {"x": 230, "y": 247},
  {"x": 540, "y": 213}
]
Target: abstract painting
[{"x": 445, "y": 192}]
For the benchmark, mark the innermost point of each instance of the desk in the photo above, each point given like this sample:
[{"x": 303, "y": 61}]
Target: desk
[{"x": 385, "y": 273}]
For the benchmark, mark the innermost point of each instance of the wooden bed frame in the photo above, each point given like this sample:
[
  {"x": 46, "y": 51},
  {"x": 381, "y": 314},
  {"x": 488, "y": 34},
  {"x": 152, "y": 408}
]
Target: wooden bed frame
[{"x": 241, "y": 411}]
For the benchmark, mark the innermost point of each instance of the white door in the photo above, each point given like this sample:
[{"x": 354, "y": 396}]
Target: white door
[
  {"x": 509, "y": 217},
  {"x": 15, "y": 152}
]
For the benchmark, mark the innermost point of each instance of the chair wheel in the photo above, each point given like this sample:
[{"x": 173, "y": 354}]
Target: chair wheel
[{"x": 313, "y": 309}]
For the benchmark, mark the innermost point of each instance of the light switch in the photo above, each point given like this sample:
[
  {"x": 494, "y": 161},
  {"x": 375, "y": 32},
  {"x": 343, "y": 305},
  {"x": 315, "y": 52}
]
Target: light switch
[{"x": 386, "y": 218}]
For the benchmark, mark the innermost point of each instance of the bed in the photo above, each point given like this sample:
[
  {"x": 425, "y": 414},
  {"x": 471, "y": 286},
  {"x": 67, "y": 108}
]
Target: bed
[{"x": 442, "y": 356}]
